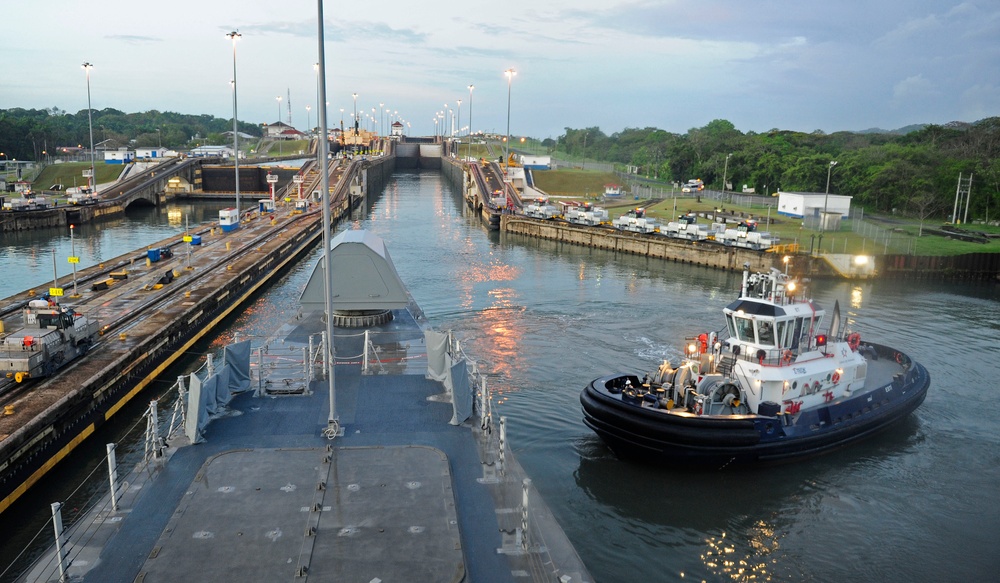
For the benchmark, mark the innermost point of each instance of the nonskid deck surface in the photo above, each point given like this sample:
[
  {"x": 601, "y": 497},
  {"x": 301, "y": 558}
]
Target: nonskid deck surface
[
  {"x": 261, "y": 515},
  {"x": 880, "y": 373},
  {"x": 399, "y": 497}
]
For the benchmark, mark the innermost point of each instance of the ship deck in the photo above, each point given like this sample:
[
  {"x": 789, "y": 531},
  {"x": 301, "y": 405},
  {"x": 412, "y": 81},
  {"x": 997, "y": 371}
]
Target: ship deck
[{"x": 401, "y": 496}]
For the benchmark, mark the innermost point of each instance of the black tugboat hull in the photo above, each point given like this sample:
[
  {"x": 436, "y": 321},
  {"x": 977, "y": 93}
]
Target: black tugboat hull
[{"x": 653, "y": 435}]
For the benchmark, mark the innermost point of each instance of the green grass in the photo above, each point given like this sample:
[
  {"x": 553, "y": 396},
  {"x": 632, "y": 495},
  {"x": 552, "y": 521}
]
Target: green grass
[
  {"x": 71, "y": 173},
  {"x": 288, "y": 148},
  {"x": 579, "y": 183},
  {"x": 903, "y": 239}
]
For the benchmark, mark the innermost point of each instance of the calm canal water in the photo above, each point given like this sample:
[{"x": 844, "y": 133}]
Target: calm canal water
[
  {"x": 27, "y": 256},
  {"x": 913, "y": 504}
]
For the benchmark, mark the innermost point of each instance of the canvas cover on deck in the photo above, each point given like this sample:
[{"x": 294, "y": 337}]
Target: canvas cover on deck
[{"x": 364, "y": 277}]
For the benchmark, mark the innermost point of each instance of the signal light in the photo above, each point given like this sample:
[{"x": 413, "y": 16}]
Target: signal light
[{"x": 821, "y": 340}]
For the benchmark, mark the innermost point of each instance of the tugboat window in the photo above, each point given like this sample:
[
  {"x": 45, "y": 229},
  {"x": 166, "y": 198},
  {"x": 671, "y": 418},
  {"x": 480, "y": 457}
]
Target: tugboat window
[
  {"x": 782, "y": 328},
  {"x": 744, "y": 329},
  {"x": 765, "y": 333},
  {"x": 797, "y": 334}
]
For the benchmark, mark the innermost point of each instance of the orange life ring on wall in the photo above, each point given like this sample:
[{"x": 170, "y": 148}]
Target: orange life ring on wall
[
  {"x": 836, "y": 377},
  {"x": 854, "y": 340}
]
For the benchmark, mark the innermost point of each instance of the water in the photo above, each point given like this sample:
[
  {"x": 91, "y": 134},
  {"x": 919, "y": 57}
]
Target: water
[
  {"x": 32, "y": 251},
  {"x": 913, "y": 504}
]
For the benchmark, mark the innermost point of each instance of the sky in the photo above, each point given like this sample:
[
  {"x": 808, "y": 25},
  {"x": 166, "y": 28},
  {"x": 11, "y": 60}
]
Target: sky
[{"x": 798, "y": 65}]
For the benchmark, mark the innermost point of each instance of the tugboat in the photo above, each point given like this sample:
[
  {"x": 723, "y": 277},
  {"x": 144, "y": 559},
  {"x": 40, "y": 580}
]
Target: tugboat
[{"x": 774, "y": 389}]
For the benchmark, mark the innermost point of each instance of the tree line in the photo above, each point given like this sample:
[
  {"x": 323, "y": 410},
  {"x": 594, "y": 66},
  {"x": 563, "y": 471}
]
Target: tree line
[
  {"x": 915, "y": 172},
  {"x": 34, "y": 134}
]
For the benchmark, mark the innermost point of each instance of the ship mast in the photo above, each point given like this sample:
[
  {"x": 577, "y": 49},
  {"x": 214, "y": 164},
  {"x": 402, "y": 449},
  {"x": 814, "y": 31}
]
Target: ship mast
[{"x": 333, "y": 428}]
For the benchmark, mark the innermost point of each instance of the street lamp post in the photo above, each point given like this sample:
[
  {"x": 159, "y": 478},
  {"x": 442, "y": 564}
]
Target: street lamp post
[
  {"x": 308, "y": 118},
  {"x": 506, "y": 158},
  {"x": 278, "y": 123},
  {"x": 725, "y": 172},
  {"x": 73, "y": 259},
  {"x": 826, "y": 197},
  {"x": 319, "y": 103},
  {"x": 354, "y": 145},
  {"x": 234, "y": 36},
  {"x": 90, "y": 122},
  {"x": 458, "y": 115},
  {"x": 471, "y": 87}
]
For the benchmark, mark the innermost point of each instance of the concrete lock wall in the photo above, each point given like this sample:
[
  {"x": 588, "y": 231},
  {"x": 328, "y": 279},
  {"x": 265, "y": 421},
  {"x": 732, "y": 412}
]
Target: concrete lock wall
[{"x": 694, "y": 253}]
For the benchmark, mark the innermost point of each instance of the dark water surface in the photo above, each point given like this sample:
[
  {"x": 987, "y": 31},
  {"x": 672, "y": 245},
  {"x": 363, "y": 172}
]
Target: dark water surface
[{"x": 913, "y": 504}]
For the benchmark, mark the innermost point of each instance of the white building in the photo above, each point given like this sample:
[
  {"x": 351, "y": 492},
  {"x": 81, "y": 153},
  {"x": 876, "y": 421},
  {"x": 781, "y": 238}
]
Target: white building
[
  {"x": 242, "y": 135},
  {"x": 119, "y": 156},
  {"x": 220, "y": 151},
  {"x": 537, "y": 162},
  {"x": 810, "y": 206},
  {"x": 157, "y": 152},
  {"x": 283, "y": 131}
]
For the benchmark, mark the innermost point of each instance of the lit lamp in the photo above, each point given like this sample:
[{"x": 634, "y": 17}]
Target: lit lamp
[
  {"x": 506, "y": 158},
  {"x": 471, "y": 87}
]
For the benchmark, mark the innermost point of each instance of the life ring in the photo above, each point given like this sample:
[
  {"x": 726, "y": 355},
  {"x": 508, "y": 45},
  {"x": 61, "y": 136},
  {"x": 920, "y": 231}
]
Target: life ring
[
  {"x": 836, "y": 377},
  {"x": 854, "y": 340},
  {"x": 786, "y": 358},
  {"x": 899, "y": 358}
]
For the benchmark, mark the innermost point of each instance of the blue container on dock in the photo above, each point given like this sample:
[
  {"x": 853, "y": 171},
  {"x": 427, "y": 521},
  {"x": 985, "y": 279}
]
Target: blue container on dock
[
  {"x": 153, "y": 254},
  {"x": 196, "y": 239}
]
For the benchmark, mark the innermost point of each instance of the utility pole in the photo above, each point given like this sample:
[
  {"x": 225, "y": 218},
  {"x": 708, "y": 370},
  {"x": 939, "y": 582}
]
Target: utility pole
[{"x": 963, "y": 190}]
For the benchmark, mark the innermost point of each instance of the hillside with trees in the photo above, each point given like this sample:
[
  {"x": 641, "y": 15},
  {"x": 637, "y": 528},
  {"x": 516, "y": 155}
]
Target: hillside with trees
[
  {"x": 914, "y": 173},
  {"x": 30, "y": 134}
]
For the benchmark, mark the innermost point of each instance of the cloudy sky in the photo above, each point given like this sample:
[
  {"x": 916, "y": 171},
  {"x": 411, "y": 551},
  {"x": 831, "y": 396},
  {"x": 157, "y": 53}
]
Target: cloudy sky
[{"x": 673, "y": 64}]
